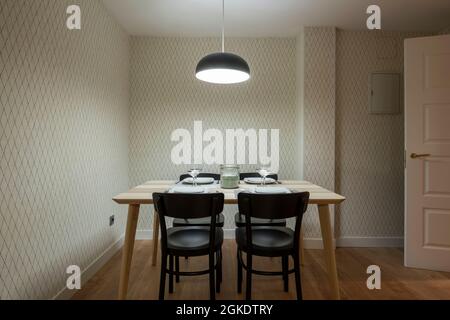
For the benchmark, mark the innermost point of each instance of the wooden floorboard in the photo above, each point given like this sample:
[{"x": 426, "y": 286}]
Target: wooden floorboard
[{"x": 397, "y": 283}]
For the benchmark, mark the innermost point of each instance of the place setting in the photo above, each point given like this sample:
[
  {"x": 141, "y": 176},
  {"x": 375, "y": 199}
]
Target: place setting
[
  {"x": 264, "y": 184},
  {"x": 195, "y": 184}
]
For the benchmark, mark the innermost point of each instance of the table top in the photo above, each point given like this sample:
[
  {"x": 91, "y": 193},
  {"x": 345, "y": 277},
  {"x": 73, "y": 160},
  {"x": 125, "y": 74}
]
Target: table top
[{"x": 143, "y": 194}]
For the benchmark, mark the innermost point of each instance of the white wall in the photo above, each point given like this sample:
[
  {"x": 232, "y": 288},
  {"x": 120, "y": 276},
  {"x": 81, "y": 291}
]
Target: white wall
[
  {"x": 63, "y": 140},
  {"x": 315, "y": 88},
  {"x": 370, "y": 148},
  {"x": 319, "y": 115},
  {"x": 165, "y": 95},
  {"x": 66, "y": 148},
  {"x": 346, "y": 149}
]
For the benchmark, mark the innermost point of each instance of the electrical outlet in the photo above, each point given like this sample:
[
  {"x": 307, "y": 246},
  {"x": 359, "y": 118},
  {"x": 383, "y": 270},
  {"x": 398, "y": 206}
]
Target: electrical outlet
[{"x": 112, "y": 219}]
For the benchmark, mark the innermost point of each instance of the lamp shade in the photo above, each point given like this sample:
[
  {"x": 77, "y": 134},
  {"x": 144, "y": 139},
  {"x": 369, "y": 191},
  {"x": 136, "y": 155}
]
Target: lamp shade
[{"x": 223, "y": 68}]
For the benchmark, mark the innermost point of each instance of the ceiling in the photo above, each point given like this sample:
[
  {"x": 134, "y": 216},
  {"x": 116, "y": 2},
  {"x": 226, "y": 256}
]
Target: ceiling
[{"x": 272, "y": 18}]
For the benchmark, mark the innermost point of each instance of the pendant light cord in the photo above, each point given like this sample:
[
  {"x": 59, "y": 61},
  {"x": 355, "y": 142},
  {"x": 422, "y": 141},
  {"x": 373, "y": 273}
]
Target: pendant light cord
[{"x": 223, "y": 25}]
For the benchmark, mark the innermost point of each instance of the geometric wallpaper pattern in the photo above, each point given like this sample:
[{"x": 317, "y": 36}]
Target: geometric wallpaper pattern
[
  {"x": 319, "y": 115},
  {"x": 64, "y": 99},
  {"x": 86, "y": 114},
  {"x": 370, "y": 147},
  {"x": 165, "y": 95}
]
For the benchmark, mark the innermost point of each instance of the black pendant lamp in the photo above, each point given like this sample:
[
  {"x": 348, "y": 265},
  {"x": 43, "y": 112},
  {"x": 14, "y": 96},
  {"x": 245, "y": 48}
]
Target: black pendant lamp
[{"x": 223, "y": 67}]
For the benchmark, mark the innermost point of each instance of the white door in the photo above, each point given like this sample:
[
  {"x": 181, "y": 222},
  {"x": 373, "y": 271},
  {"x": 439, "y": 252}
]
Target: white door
[{"x": 427, "y": 112}]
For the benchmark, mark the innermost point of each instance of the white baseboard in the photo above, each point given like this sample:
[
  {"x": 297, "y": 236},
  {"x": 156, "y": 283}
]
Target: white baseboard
[
  {"x": 229, "y": 234},
  {"x": 144, "y": 234},
  {"x": 371, "y": 242},
  {"x": 148, "y": 234},
  {"x": 92, "y": 269},
  {"x": 357, "y": 242},
  {"x": 316, "y": 243}
]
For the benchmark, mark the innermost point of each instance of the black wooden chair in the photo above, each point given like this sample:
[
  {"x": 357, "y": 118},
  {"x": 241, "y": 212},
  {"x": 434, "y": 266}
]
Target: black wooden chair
[
  {"x": 202, "y": 222},
  {"x": 270, "y": 241},
  {"x": 239, "y": 218},
  {"x": 190, "y": 241}
]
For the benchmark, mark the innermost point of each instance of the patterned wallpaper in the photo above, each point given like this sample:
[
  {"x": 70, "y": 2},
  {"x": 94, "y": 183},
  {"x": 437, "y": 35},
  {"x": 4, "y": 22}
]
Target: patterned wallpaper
[
  {"x": 165, "y": 95},
  {"x": 319, "y": 115},
  {"x": 85, "y": 114},
  {"x": 370, "y": 148},
  {"x": 63, "y": 139}
]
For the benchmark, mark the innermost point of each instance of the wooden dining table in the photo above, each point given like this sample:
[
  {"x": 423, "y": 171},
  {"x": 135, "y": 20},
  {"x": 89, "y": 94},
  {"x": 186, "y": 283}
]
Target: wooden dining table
[{"x": 143, "y": 195}]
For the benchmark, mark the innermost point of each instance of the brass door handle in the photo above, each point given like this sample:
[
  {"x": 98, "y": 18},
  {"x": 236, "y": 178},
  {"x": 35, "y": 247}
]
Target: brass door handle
[{"x": 418, "y": 156}]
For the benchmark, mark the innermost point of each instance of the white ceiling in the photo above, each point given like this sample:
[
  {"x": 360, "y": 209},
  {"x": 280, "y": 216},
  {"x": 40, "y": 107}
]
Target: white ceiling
[{"x": 272, "y": 18}]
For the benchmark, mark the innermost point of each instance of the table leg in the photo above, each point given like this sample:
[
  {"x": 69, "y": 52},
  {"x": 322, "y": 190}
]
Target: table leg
[
  {"x": 127, "y": 254},
  {"x": 330, "y": 257},
  {"x": 155, "y": 237}
]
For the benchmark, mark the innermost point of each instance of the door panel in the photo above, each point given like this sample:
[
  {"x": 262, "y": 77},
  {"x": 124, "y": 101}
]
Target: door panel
[
  {"x": 437, "y": 177},
  {"x": 437, "y": 120},
  {"x": 437, "y": 70},
  {"x": 427, "y": 178},
  {"x": 437, "y": 220}
]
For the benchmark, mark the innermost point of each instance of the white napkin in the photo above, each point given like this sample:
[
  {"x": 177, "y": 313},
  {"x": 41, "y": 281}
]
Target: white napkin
[
  {"x": 264, "y": 190},
  {"x": 271, "y": 190},
  {"x": 187, "y": 189},
  {"x": 199, "y": 180},
  {"x": 259, "y": 180}
]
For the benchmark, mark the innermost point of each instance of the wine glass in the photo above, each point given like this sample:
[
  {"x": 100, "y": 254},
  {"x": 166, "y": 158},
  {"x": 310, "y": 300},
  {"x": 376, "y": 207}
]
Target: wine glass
[
  {"x": 194, "y": 173},
  {"x": 263, "y": 171}
]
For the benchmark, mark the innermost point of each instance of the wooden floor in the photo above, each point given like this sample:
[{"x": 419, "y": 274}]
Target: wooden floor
[{"x": 398, "y": 282}]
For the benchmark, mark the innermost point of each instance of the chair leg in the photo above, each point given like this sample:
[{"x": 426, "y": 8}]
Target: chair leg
[
  {"x": 248, "y": 295},
  {"x": 171, "y": 274},
  {"x": 212, "y": 290},
  {"x": 177, "y": 269},
  {"x": 298, "y": 280},
  {"x": 302, "y": 248},
  {"x": 285, "y": 264},
  {"x": 221, "y": 269},
  {"x": 218, "y": 271},
  {"x": 239, "y": 277},
  {"x": 162, "y": 281}
]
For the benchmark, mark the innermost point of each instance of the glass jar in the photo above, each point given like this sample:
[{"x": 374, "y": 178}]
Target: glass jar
[{"x": 229, "y": 176}]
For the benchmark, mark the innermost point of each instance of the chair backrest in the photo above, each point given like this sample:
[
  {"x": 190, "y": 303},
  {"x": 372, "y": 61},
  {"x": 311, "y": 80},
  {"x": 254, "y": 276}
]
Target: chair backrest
[
  {"x": 256, "y": 175},
  {"x": 188, "y": 206},
  {"x": 215, "y": 176},
  {"x": 273, "y": 206}
]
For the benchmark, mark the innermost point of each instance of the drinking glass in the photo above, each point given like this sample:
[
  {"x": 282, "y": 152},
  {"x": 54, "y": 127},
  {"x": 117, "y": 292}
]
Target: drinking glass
[
  {"x": 264, "y": 171},
  {"x": 194, "y": 173}
]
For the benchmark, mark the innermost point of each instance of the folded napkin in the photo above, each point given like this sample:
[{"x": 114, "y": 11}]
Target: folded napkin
[
  {"x": 265, "y": 190},
  {"x": 272, "y": 190},
  {"x": 259, "y": 181},
  {"x": 187, "y": 189},
  {"x": 200, "y": 180}
]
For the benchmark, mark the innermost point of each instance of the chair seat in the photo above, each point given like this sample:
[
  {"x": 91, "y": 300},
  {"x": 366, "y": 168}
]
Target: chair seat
[
  {"x": 200, "y": 222},
  {"x": 239, "y": 219},
  {"x": 192, "y": 239},
  {"x": 267, "y": 241}
]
